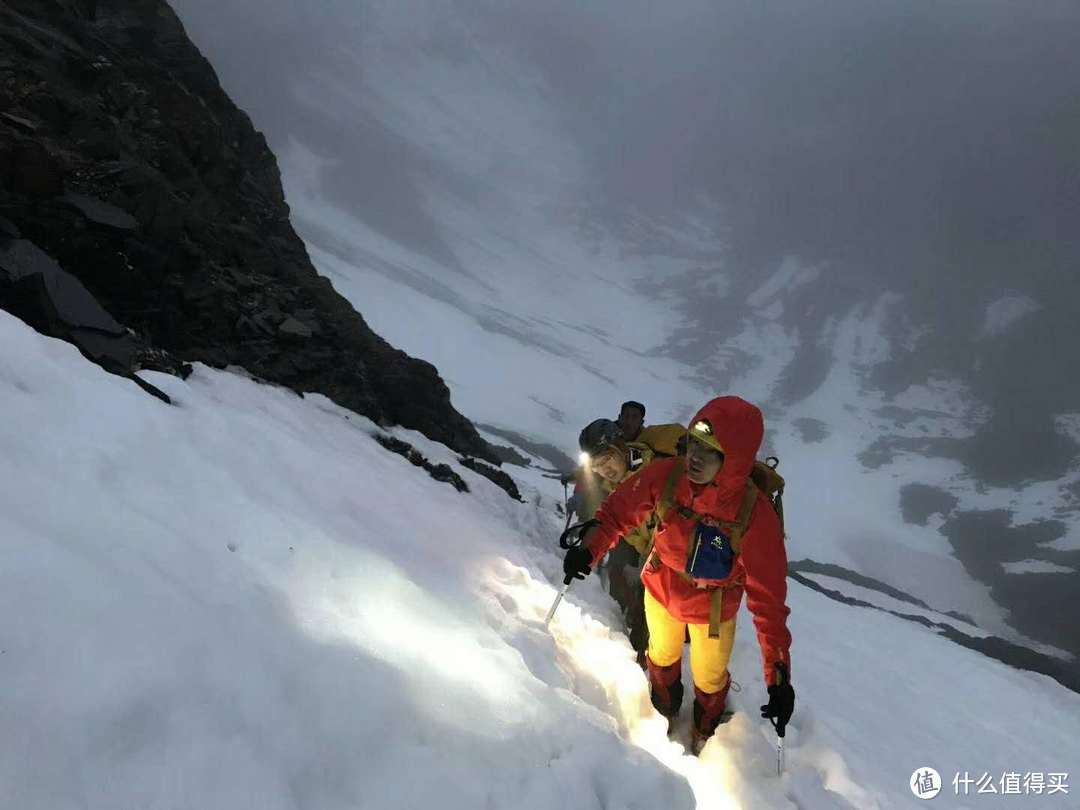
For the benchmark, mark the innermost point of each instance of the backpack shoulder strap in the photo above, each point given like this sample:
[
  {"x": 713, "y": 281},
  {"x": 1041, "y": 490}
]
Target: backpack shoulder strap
[
  {"x": 742, "y": 519},
  {"x": 663, "y": 506},
  {"x": 667, "y": 497}
]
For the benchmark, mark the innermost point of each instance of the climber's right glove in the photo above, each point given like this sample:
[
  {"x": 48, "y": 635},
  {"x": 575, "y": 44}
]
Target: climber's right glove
[{"x": 578, "y": 563}]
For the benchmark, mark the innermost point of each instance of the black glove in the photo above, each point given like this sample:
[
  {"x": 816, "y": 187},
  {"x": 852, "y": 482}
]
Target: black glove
[
  {"x": 577, "y": 564},
  {"x": 781, "y": 700}
]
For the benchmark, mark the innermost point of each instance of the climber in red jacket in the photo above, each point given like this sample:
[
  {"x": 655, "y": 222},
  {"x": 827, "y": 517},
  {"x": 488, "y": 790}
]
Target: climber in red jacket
[{"x": 715, "y": 536}]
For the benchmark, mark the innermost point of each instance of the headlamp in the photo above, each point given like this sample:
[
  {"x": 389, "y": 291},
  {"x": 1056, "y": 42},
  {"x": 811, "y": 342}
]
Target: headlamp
[{"x": 703, "y": 432}]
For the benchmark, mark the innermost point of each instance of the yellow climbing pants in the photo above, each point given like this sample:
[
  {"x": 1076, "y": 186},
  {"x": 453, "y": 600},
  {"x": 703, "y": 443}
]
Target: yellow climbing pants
[{"x": 708, "y": 656}]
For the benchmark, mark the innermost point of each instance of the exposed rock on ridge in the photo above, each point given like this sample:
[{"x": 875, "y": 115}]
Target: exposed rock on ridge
[{"x": 122, "y": 160}]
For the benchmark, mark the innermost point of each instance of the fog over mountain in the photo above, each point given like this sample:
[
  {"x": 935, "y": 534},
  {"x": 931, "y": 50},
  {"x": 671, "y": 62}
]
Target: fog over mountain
[{"x": 863, "y": 216}]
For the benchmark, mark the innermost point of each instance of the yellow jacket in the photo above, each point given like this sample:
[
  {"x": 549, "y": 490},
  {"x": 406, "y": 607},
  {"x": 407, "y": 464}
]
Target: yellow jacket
[{"x": 654, "y": 441}]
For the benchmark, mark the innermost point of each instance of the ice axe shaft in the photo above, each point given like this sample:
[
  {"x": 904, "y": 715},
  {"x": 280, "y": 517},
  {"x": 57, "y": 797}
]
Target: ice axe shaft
[
  {"x": 558, "y": 598},
  {"x": 779, "y": 756}
]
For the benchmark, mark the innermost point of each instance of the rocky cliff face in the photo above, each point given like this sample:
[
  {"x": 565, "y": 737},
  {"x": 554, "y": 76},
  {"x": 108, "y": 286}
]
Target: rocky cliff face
[{"x": 124, "y": 163}]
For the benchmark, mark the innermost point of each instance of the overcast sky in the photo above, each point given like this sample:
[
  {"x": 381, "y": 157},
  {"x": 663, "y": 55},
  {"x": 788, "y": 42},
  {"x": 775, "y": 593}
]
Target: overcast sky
[
  {"x": 928, "y": 148},
  {"x": 931, "y": 148}
]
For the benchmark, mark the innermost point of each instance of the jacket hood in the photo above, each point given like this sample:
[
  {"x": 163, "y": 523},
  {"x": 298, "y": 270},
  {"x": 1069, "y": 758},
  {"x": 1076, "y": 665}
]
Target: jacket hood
[{"x": 738, "y": 427}]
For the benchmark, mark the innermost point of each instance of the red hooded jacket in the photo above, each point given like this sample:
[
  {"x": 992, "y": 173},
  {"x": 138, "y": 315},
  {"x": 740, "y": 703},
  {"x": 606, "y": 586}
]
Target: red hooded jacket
[{"x": 761, "y": 566}]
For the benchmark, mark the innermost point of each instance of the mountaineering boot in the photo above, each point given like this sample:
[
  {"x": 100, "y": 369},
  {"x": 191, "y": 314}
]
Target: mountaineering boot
[
  {"x": 666, "y": 689},
  {"x": 708, "y": 714}
]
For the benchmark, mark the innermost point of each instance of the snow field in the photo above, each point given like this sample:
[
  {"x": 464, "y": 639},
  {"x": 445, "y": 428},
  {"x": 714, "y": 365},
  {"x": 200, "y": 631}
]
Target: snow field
[{"x": 242, "y": 600}]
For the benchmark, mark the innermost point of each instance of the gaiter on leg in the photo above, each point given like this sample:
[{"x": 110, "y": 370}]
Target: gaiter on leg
[{"x": 665, "y": 687}]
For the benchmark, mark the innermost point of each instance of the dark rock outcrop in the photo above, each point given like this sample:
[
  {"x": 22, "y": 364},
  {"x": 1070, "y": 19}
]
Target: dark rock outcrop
[
  {"x": 36, "y": 289},
  {"x": 122, "y": 159},
  {"x": 440, "y": 472},
  {"x": 495, "y": 476}
]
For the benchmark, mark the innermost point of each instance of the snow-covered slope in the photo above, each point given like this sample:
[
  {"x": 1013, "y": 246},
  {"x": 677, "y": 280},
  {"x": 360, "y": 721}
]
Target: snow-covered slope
[{"x": 242, "y": 600}]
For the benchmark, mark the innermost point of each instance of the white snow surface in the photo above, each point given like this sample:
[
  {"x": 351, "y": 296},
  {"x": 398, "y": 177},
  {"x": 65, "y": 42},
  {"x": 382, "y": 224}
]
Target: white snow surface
[
  {"x": 243, "y": 601},
  {"x": 1002, "y": 313},
  {"x": 891, "y": 603},
  {"x": 1036, "y": 567}
]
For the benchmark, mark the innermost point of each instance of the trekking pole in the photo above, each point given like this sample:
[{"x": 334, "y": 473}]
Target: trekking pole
[
  {"x": 781, "y": 728},
  {"x": 566, "y": 501},
  {"x": 558, "y": 598},
  {"x": 779, "y": 746},
  {"x": 580, "y": 528},
  {"x": 565, "y": 479}
]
